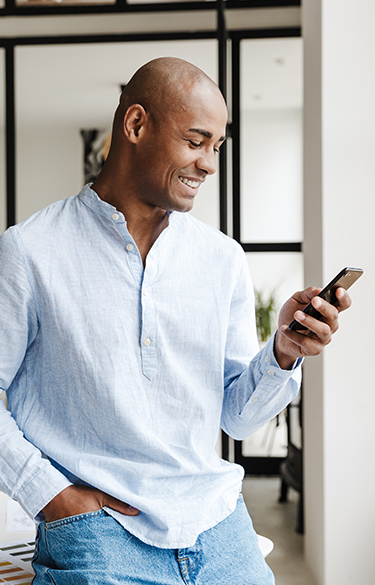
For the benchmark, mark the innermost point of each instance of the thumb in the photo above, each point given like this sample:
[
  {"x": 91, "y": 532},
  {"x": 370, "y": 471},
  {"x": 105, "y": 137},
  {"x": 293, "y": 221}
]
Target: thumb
[
  {"x": 305, "y": 296},
  {"x": 119, "y": 506}
]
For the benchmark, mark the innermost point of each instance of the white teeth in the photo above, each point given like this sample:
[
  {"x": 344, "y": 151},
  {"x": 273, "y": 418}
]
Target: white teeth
[{"x": 193, "y": 184}]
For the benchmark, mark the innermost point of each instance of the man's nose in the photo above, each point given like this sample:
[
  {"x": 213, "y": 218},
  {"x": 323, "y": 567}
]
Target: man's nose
[{"x": 207, "y": 162}]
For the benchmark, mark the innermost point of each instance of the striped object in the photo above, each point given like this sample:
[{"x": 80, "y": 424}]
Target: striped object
[{"x": 15, "y": 562}]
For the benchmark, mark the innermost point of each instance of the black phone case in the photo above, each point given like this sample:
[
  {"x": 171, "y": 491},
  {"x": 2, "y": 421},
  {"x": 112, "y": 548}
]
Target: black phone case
[{"x": 345, "y": 278}]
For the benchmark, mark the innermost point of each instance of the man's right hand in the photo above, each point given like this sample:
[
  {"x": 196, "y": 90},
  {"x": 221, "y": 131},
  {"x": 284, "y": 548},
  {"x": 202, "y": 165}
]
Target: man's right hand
[{"x": 75, "y": 500}]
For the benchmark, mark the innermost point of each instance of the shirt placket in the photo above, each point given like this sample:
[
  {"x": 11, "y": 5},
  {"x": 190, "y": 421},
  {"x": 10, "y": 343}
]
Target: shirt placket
[
  {"x": 148, "y": 328},
  {"x": 144, "y": 279}
]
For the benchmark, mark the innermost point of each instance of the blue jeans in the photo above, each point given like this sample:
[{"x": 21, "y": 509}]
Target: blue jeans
[{"x": 94, "y": 549}]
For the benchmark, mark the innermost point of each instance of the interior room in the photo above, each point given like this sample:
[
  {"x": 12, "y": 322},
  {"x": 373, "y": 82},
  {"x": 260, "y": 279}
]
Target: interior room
[{"x": 294, "y": 188}]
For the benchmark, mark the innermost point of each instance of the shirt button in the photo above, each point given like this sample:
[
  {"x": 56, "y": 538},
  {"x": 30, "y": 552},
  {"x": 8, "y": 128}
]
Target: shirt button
[
  {"x": 255, "y": 399},
  {"x": 271, "y": 372},
  {"x": 115, "y": 216},
  {"x": 145, "y": 292},
  {"x": 147, "y": 341},
  {"x": 267, "y": 359},
  {"x": 129, "y": 247}
]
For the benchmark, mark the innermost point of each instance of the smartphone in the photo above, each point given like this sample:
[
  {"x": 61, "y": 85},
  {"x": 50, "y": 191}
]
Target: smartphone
[{"x": 345, "y": 278}]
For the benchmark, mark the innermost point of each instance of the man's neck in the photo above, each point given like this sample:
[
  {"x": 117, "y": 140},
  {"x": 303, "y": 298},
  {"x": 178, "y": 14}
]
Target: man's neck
[
  {"x": 146, "y": 230},
  {"x": 144, "y": 223}
]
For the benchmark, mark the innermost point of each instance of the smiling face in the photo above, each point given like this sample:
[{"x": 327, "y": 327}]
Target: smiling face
[
  {"x": 166, "y": 135},
  {"x": 179, "y": 148}
]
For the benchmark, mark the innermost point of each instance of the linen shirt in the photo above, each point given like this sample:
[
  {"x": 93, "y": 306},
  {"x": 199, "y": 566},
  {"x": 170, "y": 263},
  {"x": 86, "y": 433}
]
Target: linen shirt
[{"x": 120, "y": 376}]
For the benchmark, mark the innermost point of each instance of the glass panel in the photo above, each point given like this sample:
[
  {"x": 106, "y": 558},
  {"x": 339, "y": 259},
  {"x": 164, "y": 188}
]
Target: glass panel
[
  {"x": 2, "y": 143},
  {"x": 62, "y": 89},
  {"x": 270, "y": 441},
  {"x": 280, "y": 273},
  {"x": 271, "y": 140}
]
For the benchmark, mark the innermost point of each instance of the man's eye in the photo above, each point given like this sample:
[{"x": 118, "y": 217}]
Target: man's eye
[{"x": 195, "y": 144}]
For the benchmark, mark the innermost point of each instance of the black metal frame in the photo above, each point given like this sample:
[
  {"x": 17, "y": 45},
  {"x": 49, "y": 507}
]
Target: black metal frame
[
  {"x": 252, "y": 465},
  {"x": 10, "y": 132},
  {"x": 257, "y": 465},
  {"x": 237, "y": 37}
]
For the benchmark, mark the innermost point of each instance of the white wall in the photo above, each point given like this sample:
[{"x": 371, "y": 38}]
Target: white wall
[
  {"x": 339, "y": 231},
  {"x": 49, "y": 166}
]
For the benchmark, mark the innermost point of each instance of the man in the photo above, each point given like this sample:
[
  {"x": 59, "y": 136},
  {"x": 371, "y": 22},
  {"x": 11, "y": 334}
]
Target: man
[{"x": 127, "y": 340}]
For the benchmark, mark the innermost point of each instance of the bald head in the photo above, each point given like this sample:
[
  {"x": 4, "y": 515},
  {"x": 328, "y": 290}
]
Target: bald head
[
  {"x": 167, "y": 131},
  {"x": 162, "y": 87}
]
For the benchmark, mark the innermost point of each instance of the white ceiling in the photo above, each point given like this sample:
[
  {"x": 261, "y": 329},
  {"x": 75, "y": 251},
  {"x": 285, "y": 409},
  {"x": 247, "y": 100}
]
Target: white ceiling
[{"x": 79, "y": 84}]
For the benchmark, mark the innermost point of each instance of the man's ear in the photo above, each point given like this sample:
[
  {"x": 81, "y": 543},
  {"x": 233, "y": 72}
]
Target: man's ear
[{"x": 134, "y": 121}]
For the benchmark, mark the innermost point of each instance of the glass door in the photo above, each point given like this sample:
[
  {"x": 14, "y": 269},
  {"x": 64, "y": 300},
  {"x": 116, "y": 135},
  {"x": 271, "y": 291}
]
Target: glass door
[{"x": 268, "y": 198}]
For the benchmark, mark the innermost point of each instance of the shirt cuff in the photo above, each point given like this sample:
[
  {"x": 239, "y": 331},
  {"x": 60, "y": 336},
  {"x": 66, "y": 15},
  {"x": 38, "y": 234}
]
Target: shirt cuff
[{"x": 41, "y": 489}]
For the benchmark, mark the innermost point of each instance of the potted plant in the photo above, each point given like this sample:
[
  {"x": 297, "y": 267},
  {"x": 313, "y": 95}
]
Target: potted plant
[{"x": 265, "y": 314}]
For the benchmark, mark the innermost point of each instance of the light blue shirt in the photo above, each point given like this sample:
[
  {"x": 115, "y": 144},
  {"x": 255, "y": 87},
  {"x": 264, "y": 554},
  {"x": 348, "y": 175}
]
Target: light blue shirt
[{"x": 119, "y": 376}]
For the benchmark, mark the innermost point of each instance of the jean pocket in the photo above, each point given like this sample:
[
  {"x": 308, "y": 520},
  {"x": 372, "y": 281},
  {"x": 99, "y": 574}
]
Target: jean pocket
[
  {"x": 76, "y": 518},
  {"x": 83, "y": 542},
  {"x": 76, "y": 540}
]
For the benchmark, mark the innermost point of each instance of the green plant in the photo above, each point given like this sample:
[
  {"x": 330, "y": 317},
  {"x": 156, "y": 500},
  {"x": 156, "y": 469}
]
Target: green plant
[{"x": 265, "y": 313}]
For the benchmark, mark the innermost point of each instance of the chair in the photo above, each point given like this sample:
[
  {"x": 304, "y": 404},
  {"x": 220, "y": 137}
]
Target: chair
[{"x": 291, "y": 469}]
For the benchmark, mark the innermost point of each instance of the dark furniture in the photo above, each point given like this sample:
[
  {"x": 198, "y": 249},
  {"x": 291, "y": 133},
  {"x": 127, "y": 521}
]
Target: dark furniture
[{"x": 291, "y": 469}]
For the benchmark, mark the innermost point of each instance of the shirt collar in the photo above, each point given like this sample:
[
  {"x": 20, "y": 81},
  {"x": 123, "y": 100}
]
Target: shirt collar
[{"x": 90, "y": 198}]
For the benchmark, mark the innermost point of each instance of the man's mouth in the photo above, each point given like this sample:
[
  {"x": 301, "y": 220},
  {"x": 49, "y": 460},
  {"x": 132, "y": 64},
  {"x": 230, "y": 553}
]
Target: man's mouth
[{"x": 190, "y": 182}]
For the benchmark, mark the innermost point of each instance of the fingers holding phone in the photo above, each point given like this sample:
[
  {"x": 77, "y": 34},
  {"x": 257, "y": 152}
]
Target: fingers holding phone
[
  {"x": 330, "y": 293},
  {"x": 321, "y": 326},
  {"x": 311, "y": 335},
  {"x": 324, "y": 313},
  {"x": 312, "y": 326}
]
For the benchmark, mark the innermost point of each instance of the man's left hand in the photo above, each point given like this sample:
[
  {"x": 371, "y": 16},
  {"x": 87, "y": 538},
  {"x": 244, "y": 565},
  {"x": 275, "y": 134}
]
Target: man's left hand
[{"x": 291, "y": 345}]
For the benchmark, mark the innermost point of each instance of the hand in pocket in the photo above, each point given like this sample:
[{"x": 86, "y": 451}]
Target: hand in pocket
[{"x": 75, "y": 500}]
